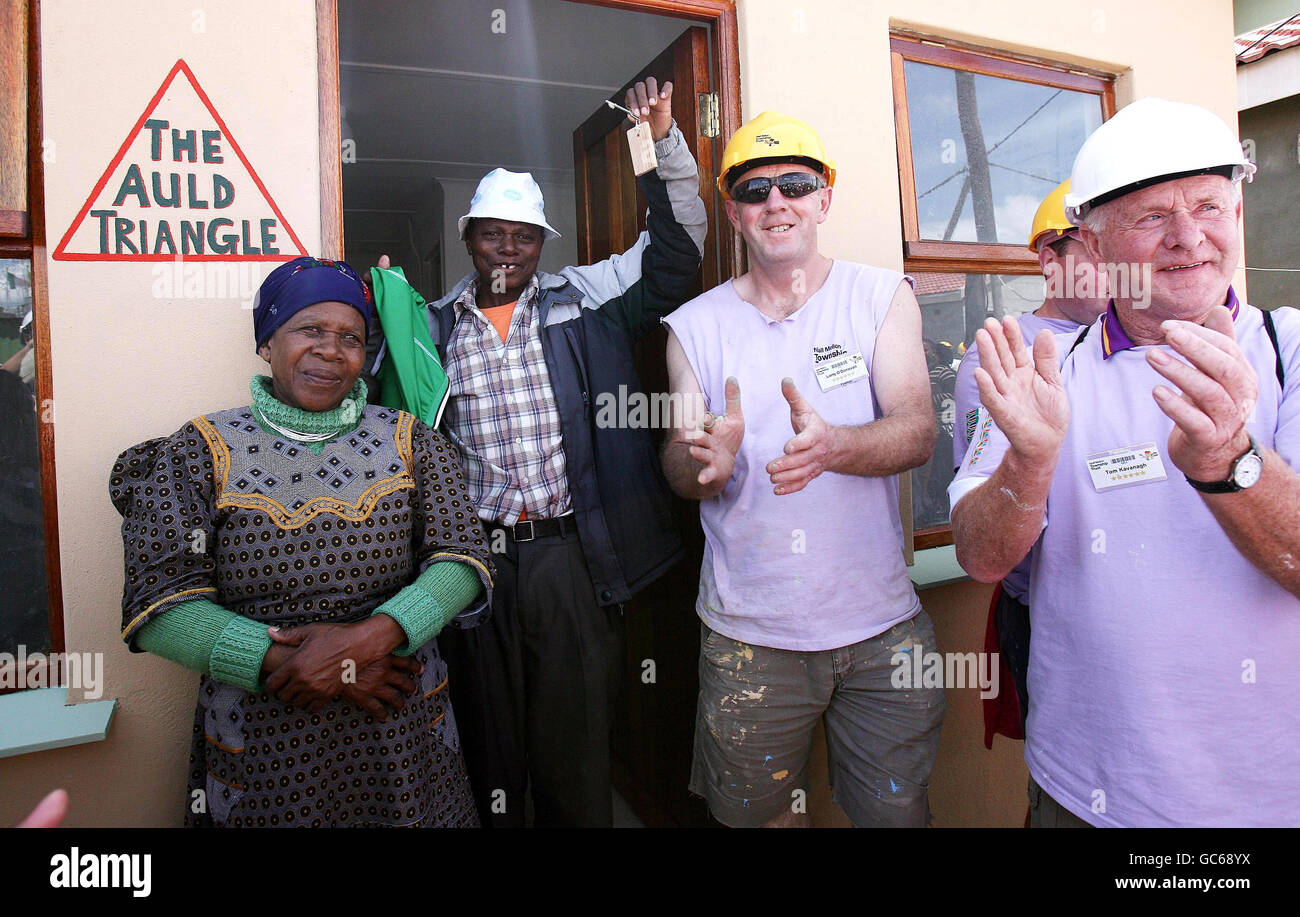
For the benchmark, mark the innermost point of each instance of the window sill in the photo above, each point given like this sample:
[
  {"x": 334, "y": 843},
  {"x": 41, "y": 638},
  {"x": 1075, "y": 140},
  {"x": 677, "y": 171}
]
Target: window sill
[
  {"x": 936, "y": 567},
  {"x": 41, "y": 719}
]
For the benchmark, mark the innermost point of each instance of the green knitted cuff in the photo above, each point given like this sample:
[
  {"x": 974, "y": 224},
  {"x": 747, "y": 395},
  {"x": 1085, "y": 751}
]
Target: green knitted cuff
[
  {"x": 185, "y": 633},
  {"x": 238, "y": 653},
  {"x": 423, "y": 608},
  {"x": 454, "y": 583}
]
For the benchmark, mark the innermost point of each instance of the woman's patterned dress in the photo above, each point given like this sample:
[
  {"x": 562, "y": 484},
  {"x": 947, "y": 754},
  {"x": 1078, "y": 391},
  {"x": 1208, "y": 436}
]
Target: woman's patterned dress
[{"x": 267, "y": 528}]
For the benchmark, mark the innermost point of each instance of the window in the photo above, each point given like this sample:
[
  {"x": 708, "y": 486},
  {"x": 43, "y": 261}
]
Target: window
[
  {"x": 982, "y": 139},
  {"x": 30, "y": 603}
]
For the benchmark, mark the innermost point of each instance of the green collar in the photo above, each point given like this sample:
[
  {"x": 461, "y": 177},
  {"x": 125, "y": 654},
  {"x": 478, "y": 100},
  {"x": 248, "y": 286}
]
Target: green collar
[{"x": 306, "y": 426}]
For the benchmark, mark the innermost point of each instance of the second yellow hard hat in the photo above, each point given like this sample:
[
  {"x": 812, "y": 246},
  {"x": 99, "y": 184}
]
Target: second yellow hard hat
[{"x": 1050, "y": 216}]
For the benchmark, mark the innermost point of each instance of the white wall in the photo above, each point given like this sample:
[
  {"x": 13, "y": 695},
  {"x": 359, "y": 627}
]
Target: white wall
[{"x": 128, "y": 365}]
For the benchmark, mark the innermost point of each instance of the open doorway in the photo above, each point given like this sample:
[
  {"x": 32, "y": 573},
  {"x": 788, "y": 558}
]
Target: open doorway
[
  {"x": 419, "y": 101},
  {"x": 433, "y": 94}
]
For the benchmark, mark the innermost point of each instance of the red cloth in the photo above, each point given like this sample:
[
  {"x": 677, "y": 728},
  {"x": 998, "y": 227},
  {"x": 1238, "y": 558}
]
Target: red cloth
[{"x": 1001, "y": 713}]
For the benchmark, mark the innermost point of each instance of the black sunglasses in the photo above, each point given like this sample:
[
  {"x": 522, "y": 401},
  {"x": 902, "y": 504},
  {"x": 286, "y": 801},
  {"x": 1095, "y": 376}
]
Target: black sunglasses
[{"x": 791, "y": 185}]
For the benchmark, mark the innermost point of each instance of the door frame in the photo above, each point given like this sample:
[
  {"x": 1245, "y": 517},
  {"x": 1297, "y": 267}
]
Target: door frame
[{"x": 724, "y": 47}]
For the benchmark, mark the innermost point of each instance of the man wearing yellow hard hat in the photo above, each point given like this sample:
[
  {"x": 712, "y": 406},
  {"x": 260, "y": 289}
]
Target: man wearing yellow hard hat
[
  {"x": 1075, "y": 295},
  {"x": 804, "y": 594}
]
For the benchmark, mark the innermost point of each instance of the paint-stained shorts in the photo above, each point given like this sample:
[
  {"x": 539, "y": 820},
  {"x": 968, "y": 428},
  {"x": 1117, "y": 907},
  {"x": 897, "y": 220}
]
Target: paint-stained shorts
[{"x": 758, "y": 708}]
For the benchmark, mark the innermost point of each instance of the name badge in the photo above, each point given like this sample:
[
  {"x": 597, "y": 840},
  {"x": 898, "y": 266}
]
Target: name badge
[
  {"x": 1124, "y": 467},
  {"x": 840, "y": 369}
]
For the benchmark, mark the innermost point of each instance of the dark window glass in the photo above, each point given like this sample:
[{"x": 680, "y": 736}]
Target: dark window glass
[
  {"x": 953, "y": 308},
  {"x": 24, "y": 609}
]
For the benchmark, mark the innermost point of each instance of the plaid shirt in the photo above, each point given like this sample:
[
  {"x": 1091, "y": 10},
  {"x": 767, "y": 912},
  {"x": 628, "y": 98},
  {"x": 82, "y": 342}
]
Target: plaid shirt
[{"x": 501, "y": 413}]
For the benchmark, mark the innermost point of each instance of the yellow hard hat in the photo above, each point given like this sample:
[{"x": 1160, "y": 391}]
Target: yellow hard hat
[
  {"x": 773, "y": 136},
  {"x": 1050, "y": 216}
]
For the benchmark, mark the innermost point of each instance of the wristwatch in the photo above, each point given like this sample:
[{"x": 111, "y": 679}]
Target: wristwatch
[{"x": 1246, "y": 471}]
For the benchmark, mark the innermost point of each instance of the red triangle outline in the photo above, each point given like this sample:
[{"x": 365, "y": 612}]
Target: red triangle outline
[{"x": 179, "y": 67}]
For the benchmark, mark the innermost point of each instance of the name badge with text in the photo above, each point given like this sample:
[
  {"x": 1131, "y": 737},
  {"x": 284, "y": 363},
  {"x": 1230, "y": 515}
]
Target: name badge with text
[
  {"x": 839, "y": 369},
  {"x": 1125, "y": 467}
]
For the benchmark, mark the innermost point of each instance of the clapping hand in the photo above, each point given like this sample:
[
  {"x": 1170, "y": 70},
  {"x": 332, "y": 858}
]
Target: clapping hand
[
  {"x": 716, "y": 440},
  {"x": 1218, "y": 393},
  {"x": 1022, "y": 389},
  {"x": 805, "y": 454}
]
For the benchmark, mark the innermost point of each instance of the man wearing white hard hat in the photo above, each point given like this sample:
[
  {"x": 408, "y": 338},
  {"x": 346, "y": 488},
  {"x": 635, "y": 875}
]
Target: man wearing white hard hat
[
  {"x": 1075, "y": 295},
  {"x": 1150, "y": 462},
  {"x": 577, "y": 510}
]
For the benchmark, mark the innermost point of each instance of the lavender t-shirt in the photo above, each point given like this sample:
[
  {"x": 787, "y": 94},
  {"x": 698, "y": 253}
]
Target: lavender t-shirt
[
  {"x": 1163, "y": 669},
  {"x": 822, "y": 568},
  {"x": 967, "y": 396}
]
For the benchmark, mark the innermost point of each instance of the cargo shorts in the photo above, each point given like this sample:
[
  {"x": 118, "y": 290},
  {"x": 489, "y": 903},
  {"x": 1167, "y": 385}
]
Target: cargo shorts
[{"x": 757, "y": 710}]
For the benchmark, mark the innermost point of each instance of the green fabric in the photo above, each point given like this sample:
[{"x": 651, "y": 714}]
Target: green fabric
[
  {"x": 342, "y": 419},
  {"x": 238, "y": 655},
  {"x": 423, "y": 608},
  {"x": 411, "y": 377},
  {"x": 203, "y": 636}
]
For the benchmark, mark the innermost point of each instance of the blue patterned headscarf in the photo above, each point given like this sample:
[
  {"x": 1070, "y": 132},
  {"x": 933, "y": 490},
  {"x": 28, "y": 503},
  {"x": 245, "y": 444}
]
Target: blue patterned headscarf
[{"x": 303, "y": 282}]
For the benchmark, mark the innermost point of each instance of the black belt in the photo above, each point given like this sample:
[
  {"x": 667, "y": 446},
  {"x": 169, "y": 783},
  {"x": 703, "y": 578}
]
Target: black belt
[{"x": 529, "y": 529}]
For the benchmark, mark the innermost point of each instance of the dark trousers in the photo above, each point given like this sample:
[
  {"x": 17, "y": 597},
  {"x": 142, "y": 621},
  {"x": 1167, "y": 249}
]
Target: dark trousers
[
  {"x": 1046, "y": 812},
  {"x": 1012, "y": 617},
  {"x": 534, "y": 687}
]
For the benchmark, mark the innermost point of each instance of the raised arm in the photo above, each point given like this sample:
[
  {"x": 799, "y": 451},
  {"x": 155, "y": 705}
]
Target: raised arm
[
  {"x": 655, "y": 275},
  {"x": 995, "y": 524}
]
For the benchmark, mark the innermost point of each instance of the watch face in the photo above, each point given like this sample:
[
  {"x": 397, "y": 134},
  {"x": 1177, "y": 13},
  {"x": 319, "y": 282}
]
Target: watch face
[{"x": 1248, "y": 470}]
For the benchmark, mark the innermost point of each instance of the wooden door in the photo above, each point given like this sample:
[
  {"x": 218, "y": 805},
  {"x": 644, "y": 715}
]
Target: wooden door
[{"x": 654, "y": 726}]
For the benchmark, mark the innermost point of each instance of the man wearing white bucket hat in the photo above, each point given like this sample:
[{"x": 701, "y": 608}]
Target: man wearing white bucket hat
[
  {"x": 510, "y": 196},
  {"x": 1150, "y": 463},
  {"x": 578, "y": 510}
]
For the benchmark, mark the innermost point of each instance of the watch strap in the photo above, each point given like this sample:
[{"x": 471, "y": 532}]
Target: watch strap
[
  {"x": 1230, "y": 485},
  {"x": 1216, "y": 487}
]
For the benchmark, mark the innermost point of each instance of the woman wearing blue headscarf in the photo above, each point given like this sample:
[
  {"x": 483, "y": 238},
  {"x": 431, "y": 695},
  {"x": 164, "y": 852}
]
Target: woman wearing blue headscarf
[{"x": 302, "y": 552}]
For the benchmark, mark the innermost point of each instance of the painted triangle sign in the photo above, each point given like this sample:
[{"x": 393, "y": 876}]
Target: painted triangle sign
[{"x": 180, "y": 186}]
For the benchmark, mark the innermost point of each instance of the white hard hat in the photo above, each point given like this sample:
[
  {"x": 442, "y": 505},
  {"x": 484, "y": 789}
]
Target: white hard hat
[
  {"x": 512, "y": 196},
  {"x": 1147, "y": 142}
]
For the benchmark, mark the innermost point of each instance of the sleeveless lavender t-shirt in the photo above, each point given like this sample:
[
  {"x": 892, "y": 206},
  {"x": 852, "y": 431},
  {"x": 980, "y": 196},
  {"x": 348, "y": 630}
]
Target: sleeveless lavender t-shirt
[{"x": 822, "y": 568}]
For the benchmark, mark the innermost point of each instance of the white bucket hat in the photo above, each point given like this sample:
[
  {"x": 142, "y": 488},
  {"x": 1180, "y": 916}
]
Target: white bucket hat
[{"x": 512, "y": 196}]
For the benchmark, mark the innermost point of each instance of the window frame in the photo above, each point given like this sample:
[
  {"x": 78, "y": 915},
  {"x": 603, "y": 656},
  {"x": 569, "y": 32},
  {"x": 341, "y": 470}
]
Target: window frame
[
  {"x": 929, "y": 256},
  {"x": 993, "y": 258},
  {"x": 22, "y": 235}
]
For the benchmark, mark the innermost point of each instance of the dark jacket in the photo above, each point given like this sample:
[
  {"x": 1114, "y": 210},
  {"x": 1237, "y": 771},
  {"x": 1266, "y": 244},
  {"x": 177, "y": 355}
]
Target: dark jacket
[{"x": 590, "y": 317}]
